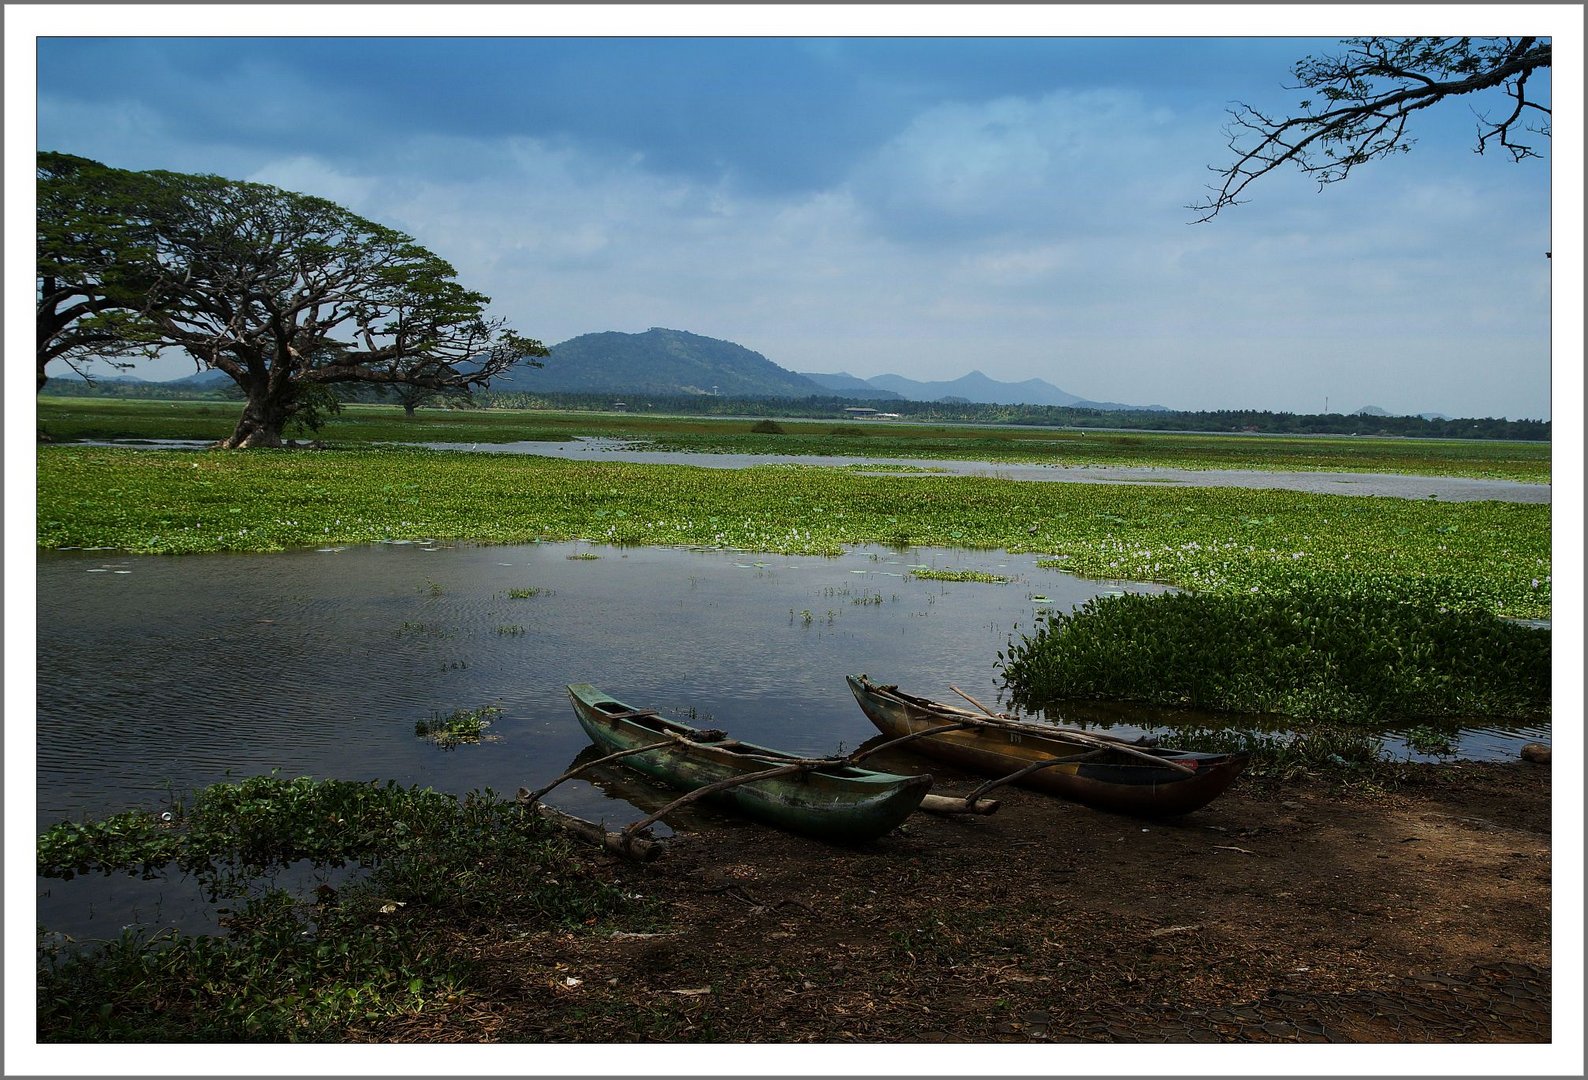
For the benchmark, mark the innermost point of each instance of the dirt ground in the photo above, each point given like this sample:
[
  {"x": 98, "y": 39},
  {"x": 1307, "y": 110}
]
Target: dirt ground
[{"x": 1299, "y": 912}]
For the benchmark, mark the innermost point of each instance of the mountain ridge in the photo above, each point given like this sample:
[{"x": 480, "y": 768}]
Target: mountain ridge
[{"x": 974, "y": 386}]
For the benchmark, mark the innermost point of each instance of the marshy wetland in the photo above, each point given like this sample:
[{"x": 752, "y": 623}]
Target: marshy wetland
[{"x": 215, "y": 616}]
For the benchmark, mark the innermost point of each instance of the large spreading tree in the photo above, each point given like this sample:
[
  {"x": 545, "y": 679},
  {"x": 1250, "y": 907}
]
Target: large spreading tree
[
  {"x": 291, "y": 295},
  {"x": 97, "y": 278},
  {"x": 1362, "y": 101}
]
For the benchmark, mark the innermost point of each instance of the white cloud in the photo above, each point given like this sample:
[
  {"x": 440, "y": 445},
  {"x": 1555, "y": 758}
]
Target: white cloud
[{"x": 1041, "y": 235}]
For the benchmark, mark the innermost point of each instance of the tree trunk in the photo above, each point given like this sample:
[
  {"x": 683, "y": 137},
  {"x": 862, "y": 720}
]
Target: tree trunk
[{"x": 264, "y": 417}]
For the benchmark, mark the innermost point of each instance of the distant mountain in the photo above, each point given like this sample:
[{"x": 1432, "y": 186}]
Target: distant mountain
[
  {"x": 203, "y": 380},
  {"x": 975, "y": 387},
  {"x": 661, "y": 361},
  {"x": 1371, "y": 410},
  {"x": 852, "y": 385},
  {"x": 676, "y": 362}
]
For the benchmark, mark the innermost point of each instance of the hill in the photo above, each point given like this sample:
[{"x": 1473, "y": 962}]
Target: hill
[
  {"x": 661, "y": 361},
  {"x": 974, "y": 387},
  {"x": 852, "y": 386}
]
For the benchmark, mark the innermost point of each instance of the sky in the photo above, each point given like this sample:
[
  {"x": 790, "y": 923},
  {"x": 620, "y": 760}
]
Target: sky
[{"x": 1011, "y": 201}]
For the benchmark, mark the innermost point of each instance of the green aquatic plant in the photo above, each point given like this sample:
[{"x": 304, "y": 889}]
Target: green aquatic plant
[
  {"x": 1487, "y": 556},
  {"x": 1431, "y": 740},
  {"x": 1347, "y": 659},
  {"x": 926, "y": 573},
  {"x": 438, "y": 874},
  {"x": 458, "y": 727},
  {"x": 68, "y": 418}
]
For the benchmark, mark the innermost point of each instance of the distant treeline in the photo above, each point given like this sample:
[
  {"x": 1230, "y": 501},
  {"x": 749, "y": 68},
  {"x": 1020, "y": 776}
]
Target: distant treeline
[
  {"x": 821, "y": 408},
  {"x": 1223, "y": 420}
]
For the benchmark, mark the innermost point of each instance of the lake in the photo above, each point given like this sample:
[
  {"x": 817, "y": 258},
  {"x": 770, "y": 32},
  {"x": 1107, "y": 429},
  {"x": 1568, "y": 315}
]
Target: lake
[{"x": 158, "y": 675}]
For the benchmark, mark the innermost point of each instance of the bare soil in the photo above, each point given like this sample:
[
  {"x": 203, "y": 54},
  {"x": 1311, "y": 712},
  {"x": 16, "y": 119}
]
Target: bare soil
[{"x": 1311, "y": 911}]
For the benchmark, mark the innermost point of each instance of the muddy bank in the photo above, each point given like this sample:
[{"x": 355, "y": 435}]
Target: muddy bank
[{"x": 1297, "y": 913}]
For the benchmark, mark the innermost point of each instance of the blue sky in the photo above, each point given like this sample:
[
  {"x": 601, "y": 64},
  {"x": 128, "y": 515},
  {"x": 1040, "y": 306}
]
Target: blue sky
[{"x": 923, "y": 205}]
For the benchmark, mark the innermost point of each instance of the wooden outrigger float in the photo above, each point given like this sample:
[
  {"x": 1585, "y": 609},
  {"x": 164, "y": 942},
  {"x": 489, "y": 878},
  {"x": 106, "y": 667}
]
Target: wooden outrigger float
[{"x": 1099, "y": 771}]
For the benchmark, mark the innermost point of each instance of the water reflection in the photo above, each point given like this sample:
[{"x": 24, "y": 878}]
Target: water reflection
[{"x": 159, "y": 674}]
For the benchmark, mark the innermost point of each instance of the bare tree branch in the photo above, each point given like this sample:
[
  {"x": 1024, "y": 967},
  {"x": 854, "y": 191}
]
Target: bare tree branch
[{"x": 1368, "y": 97}]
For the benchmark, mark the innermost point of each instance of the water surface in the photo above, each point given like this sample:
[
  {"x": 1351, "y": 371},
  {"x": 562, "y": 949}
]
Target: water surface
[{"x": 158, "y": 675}]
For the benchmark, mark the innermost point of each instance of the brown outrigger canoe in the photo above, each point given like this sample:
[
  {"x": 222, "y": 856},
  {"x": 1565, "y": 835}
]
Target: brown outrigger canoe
[{"x": 1099, "y": 771}]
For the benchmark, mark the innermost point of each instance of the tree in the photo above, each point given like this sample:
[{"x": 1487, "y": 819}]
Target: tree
[
  {"x": 1366, "y": 98},
  {"x": 288, "y": 294},
  {"x": 94, "y": 244},
  {"x": 411, "y": 398},
  {"x": 291, "y": 294}
]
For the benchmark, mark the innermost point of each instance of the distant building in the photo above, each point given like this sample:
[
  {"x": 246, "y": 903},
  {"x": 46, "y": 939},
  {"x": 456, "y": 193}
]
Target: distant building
[
  {"x": 859, "y": 413},
  {"x": 620, "y": 406}
]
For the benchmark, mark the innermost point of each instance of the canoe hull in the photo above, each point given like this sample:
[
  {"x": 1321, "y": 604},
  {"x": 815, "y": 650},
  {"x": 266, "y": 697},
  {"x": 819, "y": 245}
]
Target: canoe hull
[
  {"x": 1119, "y": 782},
  {"x": 845, "y": 804}
]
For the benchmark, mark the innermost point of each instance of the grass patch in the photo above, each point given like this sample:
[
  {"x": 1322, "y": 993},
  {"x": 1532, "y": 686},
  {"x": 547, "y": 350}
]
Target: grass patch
[
  {"x": 1355, "y": 660},
  {"x": 440, "y": 873}
]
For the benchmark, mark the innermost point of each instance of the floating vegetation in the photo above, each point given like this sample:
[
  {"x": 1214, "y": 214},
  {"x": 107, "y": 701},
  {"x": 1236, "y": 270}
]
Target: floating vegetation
[
  {"x": 1353, "y": 660},
  {"x": 512, "y": 630},
  {"x": 1488, "y": 556},
  {"x": 525, "y": 593},
  {"x": 930, "y": 574},
  {"x": 371, "y": 425},
  {"x": 1430, "y": 740},
  {"x": 460, "y": 726},
  {"x": 382, "y": 945}
]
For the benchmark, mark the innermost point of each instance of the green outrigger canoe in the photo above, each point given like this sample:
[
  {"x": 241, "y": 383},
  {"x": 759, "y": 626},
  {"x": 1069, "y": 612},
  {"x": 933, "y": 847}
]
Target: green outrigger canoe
[{"x": 834, "y": 802}]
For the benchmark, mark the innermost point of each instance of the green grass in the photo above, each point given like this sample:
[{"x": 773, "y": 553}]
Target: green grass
[
  {"x": 68, "y": 419},
  {"x": 1479, "y": 555}
]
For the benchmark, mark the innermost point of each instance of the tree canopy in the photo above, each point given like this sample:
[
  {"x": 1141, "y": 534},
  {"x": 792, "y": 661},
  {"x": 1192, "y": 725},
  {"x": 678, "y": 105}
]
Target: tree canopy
[
  {"x": 291, "y": 294},
  {"x": 95, "y": 247},
  {"x": 1364, "y": 100}
]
